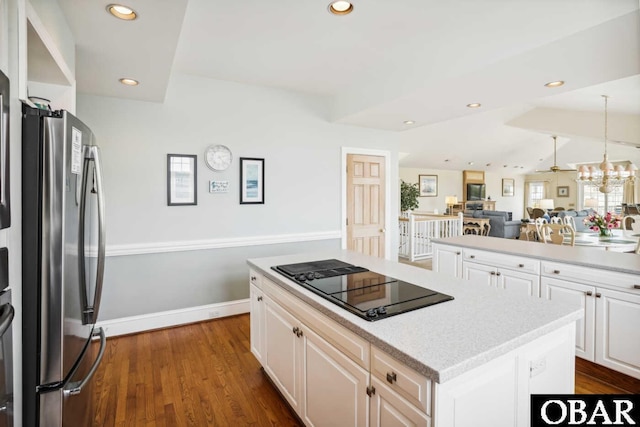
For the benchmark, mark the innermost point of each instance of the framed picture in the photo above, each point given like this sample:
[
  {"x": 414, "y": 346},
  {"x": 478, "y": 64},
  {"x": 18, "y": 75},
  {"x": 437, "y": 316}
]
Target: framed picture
[
  {"x": 218, "y": 186},
  {"x": 563, "y": 191},
  {"x": 428, "y": 185},
  {"x": 508, "y": 185},
  {"x": 251, "y": 181},
  {"x": 181, "y": 179}
]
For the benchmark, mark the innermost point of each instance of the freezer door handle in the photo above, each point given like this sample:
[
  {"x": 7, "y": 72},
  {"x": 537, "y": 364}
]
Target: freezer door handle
[
  {"x": 6, "y": 317},
  {"x": 90, "y": 312},
  {"x": 74, "y": 388}
]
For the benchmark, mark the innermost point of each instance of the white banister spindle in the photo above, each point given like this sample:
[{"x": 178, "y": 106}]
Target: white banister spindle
[{"x": 417, "y": 232}]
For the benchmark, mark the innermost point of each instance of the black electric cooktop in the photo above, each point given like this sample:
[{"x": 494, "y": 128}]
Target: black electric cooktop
[{"x": 364, "y": 293}]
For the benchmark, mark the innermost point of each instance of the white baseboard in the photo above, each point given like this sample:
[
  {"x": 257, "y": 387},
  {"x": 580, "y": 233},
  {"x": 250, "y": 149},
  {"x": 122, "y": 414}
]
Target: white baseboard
[{"x": 165, "y": 319}]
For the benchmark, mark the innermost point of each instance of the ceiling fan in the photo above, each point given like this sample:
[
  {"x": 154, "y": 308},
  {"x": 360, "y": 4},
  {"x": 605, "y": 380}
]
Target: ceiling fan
[{"x": 555, "y": 167}]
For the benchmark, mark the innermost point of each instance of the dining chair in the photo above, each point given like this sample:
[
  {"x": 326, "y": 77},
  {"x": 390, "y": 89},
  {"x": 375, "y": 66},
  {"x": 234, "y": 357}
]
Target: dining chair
[
  {"x": 557, "y": 234},
  {"x": 556, "y": 220},
  {"x": 538, "y": 213},
  {"x": 538, "y": 223},
  {"x": 570, "y": 221}
]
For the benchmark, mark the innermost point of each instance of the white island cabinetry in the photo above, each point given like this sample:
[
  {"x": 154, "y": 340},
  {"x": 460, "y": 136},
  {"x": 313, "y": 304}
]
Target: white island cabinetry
[
  {"x": 336, "y": 369},
  {"x": 605, "y": 285}
]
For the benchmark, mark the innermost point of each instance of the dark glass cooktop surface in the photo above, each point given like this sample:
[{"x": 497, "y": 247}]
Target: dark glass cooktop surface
[{"x": 365, "y": 293}]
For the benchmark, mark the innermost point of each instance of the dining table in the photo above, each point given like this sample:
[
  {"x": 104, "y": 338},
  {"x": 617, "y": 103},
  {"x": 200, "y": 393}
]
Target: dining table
[{"x": 618, "y": 241}]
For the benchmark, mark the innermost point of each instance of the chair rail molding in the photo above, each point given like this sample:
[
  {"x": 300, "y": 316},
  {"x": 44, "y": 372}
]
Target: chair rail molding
[{"x": 230, "y": 242}]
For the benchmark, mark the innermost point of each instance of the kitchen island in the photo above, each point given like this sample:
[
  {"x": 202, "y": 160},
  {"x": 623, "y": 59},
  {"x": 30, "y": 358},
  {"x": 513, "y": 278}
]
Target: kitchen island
[{"x": 457, "y": 363}]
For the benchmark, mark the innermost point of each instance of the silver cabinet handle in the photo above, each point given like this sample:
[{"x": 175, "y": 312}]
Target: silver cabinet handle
[
  {"x": 76, "y": 387},
  {"x": 6, "y": 317}
]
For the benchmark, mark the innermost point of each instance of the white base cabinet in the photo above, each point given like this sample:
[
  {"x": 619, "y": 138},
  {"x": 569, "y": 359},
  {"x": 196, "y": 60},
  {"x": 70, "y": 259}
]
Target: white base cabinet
[
  {"x": 332, "y": 377},
  {"x": 608, "y": 334}
]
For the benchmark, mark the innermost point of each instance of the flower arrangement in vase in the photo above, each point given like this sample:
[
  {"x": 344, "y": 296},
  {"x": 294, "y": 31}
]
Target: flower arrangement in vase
[{"x": 603, "y": 224}]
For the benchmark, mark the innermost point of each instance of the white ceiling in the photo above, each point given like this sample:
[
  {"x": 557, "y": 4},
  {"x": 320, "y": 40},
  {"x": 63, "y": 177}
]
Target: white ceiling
[{"x": 388, "y": 62}]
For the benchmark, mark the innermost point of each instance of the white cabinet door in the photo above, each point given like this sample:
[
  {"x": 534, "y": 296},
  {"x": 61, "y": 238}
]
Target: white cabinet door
[
  {"x": 618, "y": 331},
  {"x": 479, "y": 273},
  {"x": 389, "y": 409},
  {"x": 447, "y": 260},
  {"x": 256, "y": 306},
  {"x": 580, "y": 295},
  {"x": 282, "y": 352},
  {"x": 525, "y": 283},
  {"x": 334, "y": 386}
]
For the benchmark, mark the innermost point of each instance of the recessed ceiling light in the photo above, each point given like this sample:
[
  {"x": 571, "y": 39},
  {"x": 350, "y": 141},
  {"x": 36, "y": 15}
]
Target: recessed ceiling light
[
  {"x": 504, "y": 166},
  {"x": 446, "y": 160},
  {"x": 128, "y": 82},
  {"x": 555, "y": 84},
  {"x": 122, "y": 12},
  {"x": 470, "y": 163},
  {"x": 474, "y": 105},
  {"x": 488, "y": 164},
  {"x": 340, "y": 7},
  {"x": 409, "y": 122}
]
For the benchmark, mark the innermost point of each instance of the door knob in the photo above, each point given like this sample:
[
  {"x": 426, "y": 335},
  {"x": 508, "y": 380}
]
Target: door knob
[{"x": 383, "y": 230}]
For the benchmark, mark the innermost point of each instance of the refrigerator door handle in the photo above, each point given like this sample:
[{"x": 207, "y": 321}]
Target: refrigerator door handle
[
  {"x": 74, "y": 388},
  {"x": 90, "y": 312},
  {"x": 6, "y": 317}
]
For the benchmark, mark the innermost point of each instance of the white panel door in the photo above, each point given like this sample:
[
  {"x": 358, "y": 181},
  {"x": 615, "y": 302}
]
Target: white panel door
[
  {"x": 256, "y": 305},
  {"x": 282, "y": 352},
  {"x": 334, "y": 386},
  {"x": 479, "y": 273},
  {"x": 447, "y": 260},
  {"x": 579, "y": 295},
  {"x": 525, "y": 283},
  {"x": 389, "y": 409},
  {"x": 618, "y": 331}
]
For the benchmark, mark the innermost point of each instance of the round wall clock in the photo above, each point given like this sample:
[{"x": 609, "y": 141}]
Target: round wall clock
[{"x": 218, "y": 157}]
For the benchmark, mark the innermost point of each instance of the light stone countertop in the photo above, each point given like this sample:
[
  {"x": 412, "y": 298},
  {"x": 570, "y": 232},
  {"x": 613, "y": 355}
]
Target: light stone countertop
[
  {"x": 444, "y": 340},
  {"x": 577, "y": 255}
]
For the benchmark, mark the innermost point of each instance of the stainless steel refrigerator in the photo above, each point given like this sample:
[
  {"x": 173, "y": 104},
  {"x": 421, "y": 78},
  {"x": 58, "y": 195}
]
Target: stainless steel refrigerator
[{"x": 63, "y": 240}]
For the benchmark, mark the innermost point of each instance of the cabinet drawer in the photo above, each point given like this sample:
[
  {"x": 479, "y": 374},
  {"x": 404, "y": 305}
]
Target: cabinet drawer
[
  {"x": 255, "y": 278},
  {"x": 494, "y": 259},
  {"x": 403, "y": 380},
  {"x": 351, "y": 344},
  {"x": 594, "y": 276}
]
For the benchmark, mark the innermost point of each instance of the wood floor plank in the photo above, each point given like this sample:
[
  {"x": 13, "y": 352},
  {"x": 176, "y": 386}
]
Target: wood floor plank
[{"x": 204, "y": 374}]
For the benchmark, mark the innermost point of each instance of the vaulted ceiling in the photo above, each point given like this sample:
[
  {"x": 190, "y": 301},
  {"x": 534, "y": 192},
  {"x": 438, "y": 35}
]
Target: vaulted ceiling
[{"x": 389, "y": 62}]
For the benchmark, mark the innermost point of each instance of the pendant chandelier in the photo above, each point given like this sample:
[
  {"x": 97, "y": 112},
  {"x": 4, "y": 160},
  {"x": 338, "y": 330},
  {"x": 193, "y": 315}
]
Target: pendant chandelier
[{"x": 606, "y": 177}]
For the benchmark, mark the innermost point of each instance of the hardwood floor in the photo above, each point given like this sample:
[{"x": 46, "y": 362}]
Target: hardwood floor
[
  {"x": 204, "y": 374},
  {"x": 201, "y": 374}
]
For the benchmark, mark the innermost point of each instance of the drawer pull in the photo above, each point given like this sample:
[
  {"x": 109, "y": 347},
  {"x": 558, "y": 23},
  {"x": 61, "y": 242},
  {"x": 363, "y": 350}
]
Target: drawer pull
[
  {"x": 493, "y": 273},
  {"x": 296, "y": 330},
  {"x": 521, "y": 265},
  {"x": 391, "y": 377},
  {"x": 253, "y": 278},
  {"x": 636, "y": 286},
  {"x": 472, "y": 256},
  {"x": 598, "y": 294},
  {"x": 259, "y": 298},
  {"x": 556, "y": 271},
  {"x": 457, "y": 253},
  {"x": 498, "y": 274},
  {"x": 299, "y": 333},
  {"x": 588, "y": 293}
]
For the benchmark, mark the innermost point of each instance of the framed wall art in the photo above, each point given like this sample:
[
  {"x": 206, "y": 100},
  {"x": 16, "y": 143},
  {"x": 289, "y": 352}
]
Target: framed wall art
[
  {"x": 563, "y": 191},
  {"x": 428, "y": 185},
  {"x": 251, "y": 181},
  {"x": 181, "y": 179},
  {"x": 508, "y": 187}
]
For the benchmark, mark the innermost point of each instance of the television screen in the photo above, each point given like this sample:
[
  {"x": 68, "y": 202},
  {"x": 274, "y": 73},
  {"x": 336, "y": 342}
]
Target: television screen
[{"x": 476, "y": 191}]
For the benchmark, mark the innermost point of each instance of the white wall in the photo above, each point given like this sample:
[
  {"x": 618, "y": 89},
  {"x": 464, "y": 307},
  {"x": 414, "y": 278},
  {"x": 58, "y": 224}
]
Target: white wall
[
  {"x": 450, "y": 184},
  {"x": 302, "y": 153}
]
